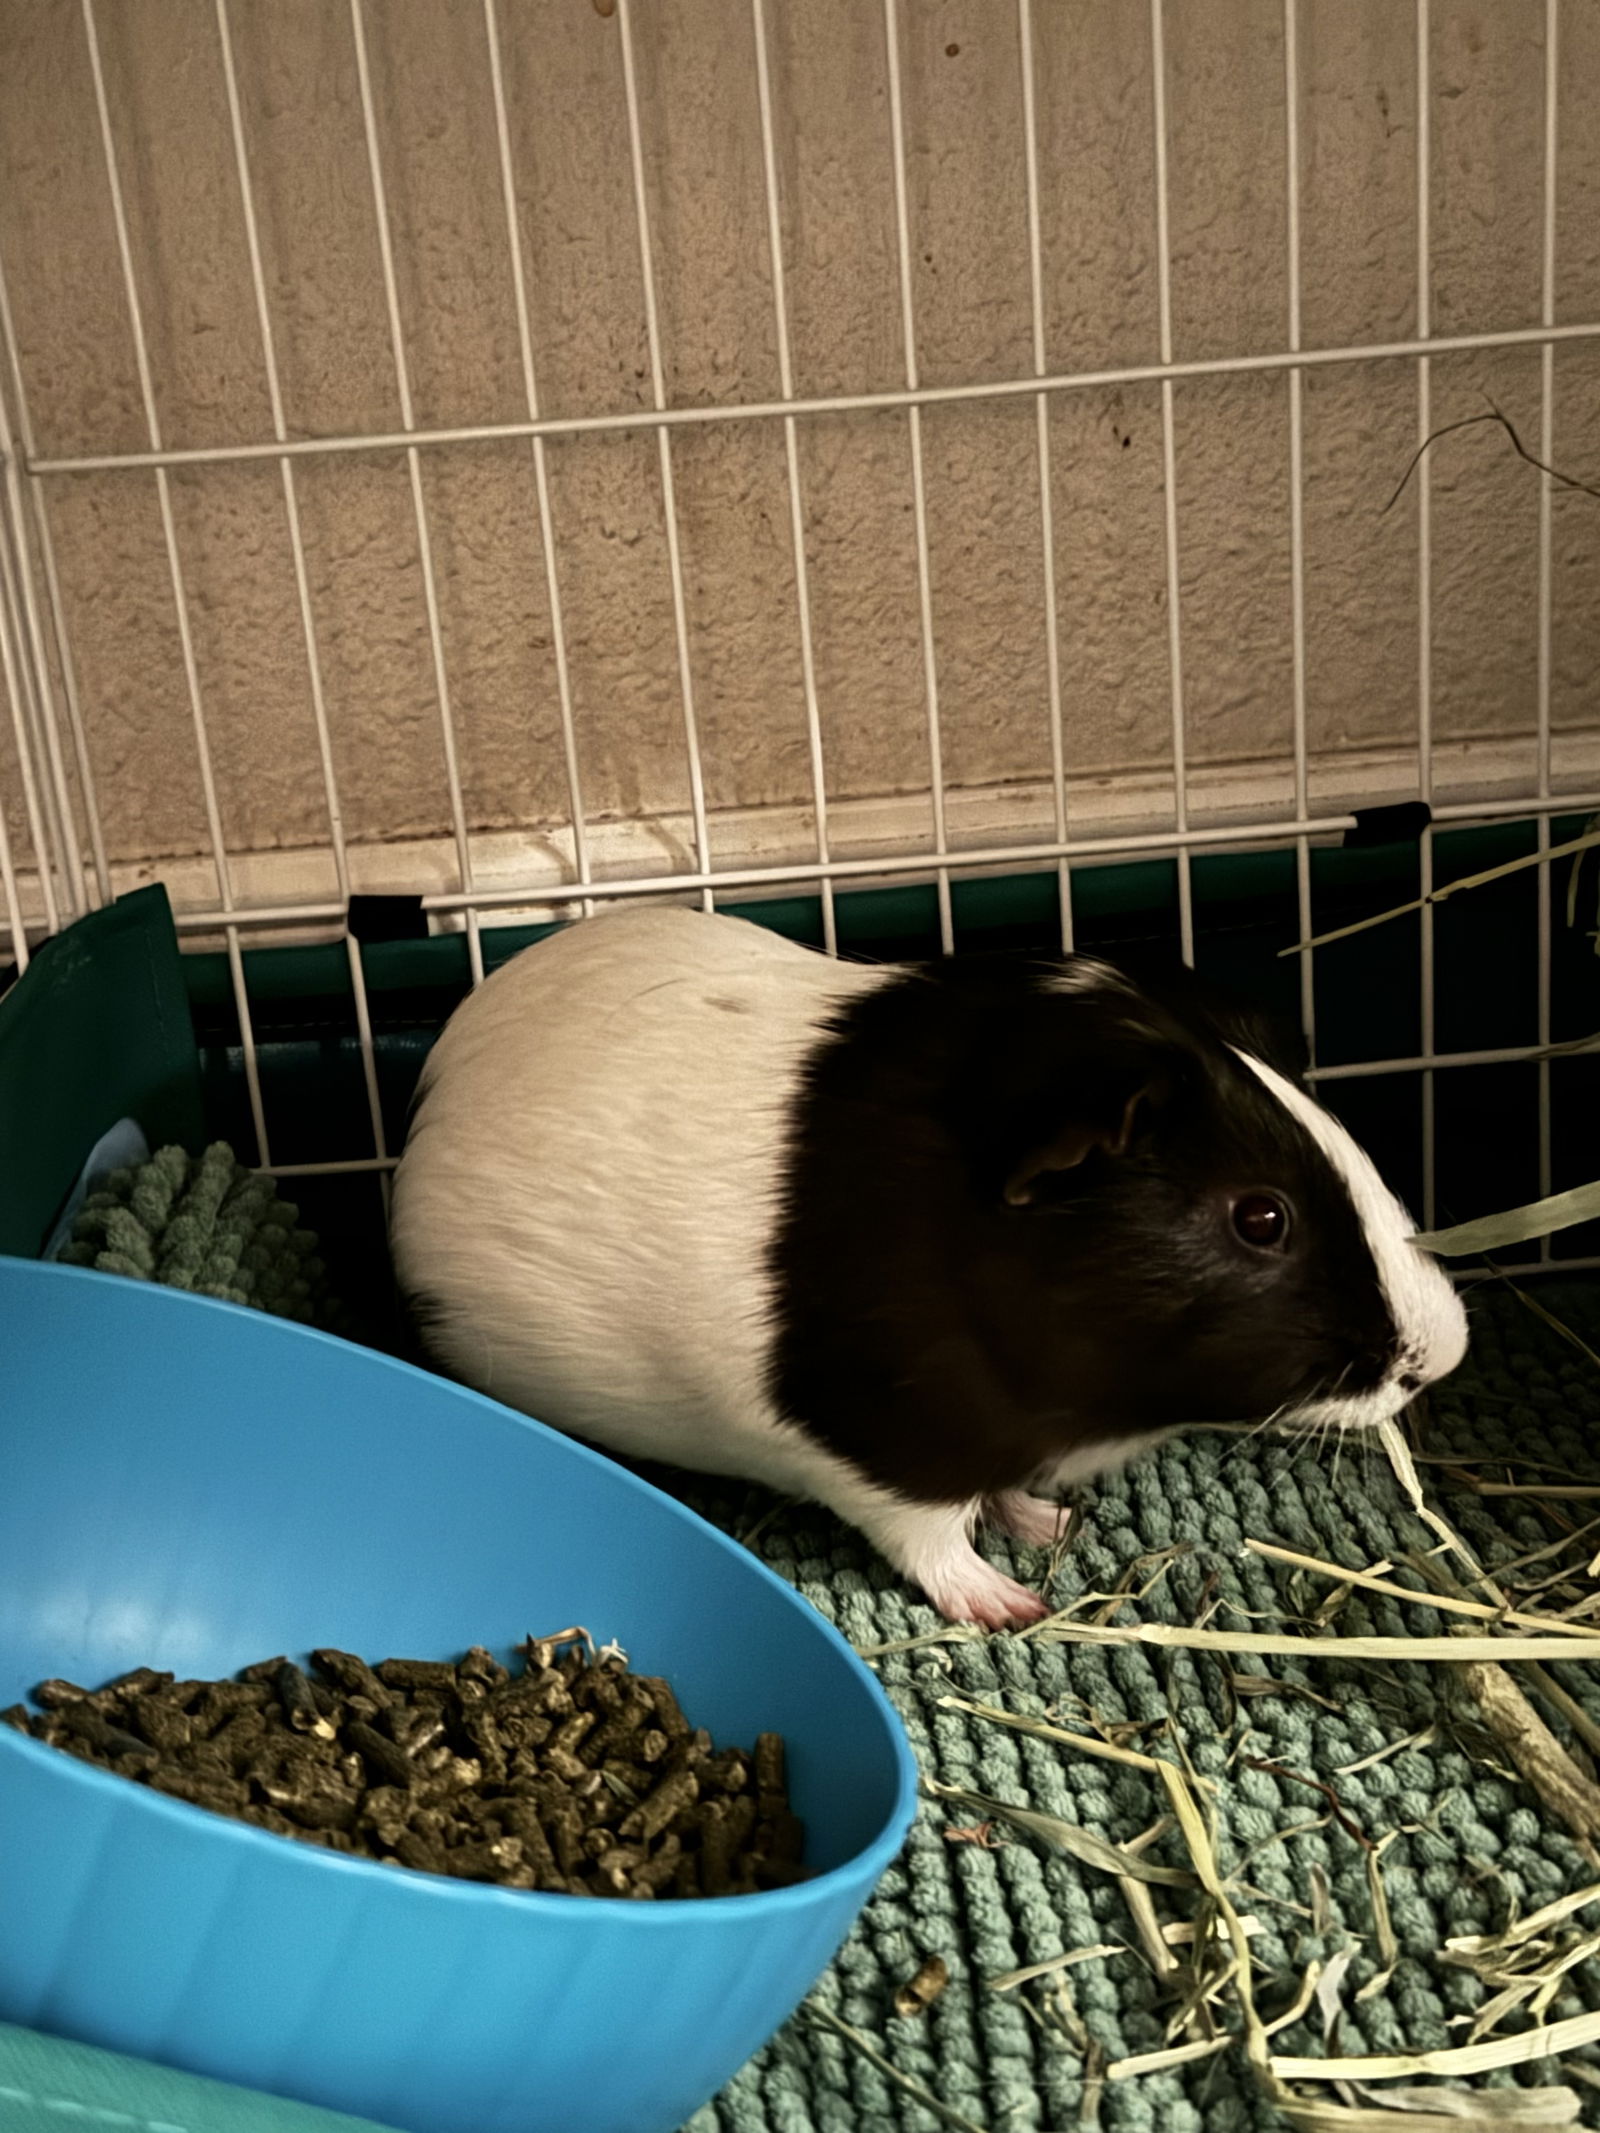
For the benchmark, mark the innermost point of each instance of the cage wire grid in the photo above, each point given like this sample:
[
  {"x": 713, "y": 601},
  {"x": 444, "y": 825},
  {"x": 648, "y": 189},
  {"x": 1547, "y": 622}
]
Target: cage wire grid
[{"x": 71, "y": 872}]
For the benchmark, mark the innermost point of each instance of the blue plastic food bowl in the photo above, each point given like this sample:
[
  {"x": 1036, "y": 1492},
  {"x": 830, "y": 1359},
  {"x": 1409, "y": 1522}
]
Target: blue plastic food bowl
[{"x": 190, "y": 1485}]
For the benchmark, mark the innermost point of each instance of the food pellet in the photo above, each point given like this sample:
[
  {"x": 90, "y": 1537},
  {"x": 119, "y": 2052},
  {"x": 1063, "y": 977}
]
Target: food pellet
[{"x": 571, "y": 1775}]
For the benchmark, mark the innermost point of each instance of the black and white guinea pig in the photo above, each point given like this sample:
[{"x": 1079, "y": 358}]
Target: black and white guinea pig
[{"x": 915, "y": 1243}]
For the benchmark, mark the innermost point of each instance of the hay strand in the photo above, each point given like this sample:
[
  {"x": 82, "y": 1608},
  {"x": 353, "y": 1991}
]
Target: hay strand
[
  {"x": 1447, "y": 1603},
  {"x": 1451, "y": 888},
  {"x": 1041, "y": 1729},
  {"x": 1535, "y": 1750},
  {"x": 1438, "y": 2111},
  {"x": 1516, "y": 1225},
  {"x": 1160, "y": 2062},
  {"x": 1174, "y": 1636},
  {"x": 825, "y": 2019},
  {"x": 1530, "y": 1927},
  {"x": 1069, "y": 1837},
  {"x": 1548, "y": 2041}
]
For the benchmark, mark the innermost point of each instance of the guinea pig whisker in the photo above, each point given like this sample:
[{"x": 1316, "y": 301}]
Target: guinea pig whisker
[
  {"x": 1301, "y": 1434},
  {"x": 1261, "y": 1427},
  {"x": 1338, "y": 1454}
]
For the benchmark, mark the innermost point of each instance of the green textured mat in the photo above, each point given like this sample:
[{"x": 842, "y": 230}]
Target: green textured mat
[
  {"x": 207, "y": 1224},
  {"x": 1471, "y": 1843},
  {"x": 1467, "y": 1842}
]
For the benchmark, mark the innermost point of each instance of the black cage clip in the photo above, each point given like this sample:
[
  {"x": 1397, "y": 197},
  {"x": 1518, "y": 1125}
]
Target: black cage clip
[
  {"x": 370, "y": 919},
  {"x": 1402, "y": 823}
]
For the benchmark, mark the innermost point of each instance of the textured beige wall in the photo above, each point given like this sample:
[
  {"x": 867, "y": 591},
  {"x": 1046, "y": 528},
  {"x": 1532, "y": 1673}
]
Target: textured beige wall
[{"x": 302, "y": 116}]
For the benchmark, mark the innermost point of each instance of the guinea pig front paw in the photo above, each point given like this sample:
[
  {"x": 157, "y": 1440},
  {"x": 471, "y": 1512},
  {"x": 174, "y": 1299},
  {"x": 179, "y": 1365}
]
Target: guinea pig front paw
[
  {"x": 974, "y": 1591},
  {"x": 1034, "y": 1520},
  {"x": 931, "y": 1543}
]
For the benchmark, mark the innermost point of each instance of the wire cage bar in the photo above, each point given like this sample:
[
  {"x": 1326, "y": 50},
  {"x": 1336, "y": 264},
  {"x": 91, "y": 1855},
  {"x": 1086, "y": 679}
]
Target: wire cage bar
[
  {"x": 890, "y": 400},
  {"x": 1297, "y": 509},
  {"x": 17, "y": 451},
  {"x": 1047, "y": 523},
  {"x": 302, "y": 581},
  {"x": 66, "y": 866},
  {"x": 669, "y": 494},
  {"x": 541, "y": 471},
  {"x": 1547, "y": 300},
  {"x": 791, "y": 455}
]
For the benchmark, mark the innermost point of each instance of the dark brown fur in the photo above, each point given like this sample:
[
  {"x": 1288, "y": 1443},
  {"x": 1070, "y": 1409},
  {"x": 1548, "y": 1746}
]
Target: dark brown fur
[{"x": 952, "y": 1344}]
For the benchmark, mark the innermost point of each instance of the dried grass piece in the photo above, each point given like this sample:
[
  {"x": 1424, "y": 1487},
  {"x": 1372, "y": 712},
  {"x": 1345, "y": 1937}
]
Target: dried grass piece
[
  {"x": 1192, "y": 1825},
  {"x": 981, "y": 1834},
  {"x": 1517, "y": 1225},
  {"x": 1311, "y": 1988},
  {"x": 1550, "y": 1491},
  {"x": 951, "y": 1633},
  {"x": 1398, "y": 1452},
  {"x": 1336, "y": 1809},
  {"x": 1041, "y": 1729},
  {"x": 1142, "y": 1910},
  {"x": 1546, "y": 2042},
  {"x": 1450, "y": 888},
  {"x": 1321, "y": 1902},
  {"x": 1515, "y": 2107},
  {"x": 1538, "y": 1755},
  {"x": 1481, "y": 2111},
  {"x": 1329, "y": 1994},
  {"x": 1094, "y": 2084},
  {"x": 1423, "y": 1738},
  {"x": 823, "y": 2018},
  {"x": 1066, "y": 1837},
  {"x": 1536, "y": 1922},
  {"x": 1382, "y": 1924},
  {"x": 1177, "y": 1933},
  {"x": 1248, "y": 1685},
  {"x": 1174, "y": 2055},
  {"x": 1549, "y": 1982},
  {"x": 1503, "y": 421},
  {"x": 1267, "y": 1644},
  {"x": 1569, "y": 1707},
  {"x": 922, "y": 1988},
  {"x": 1447, "y": 1603},
  {"x": 1097, "y": 1951},
  {"x": 1558, "y": 1546}
]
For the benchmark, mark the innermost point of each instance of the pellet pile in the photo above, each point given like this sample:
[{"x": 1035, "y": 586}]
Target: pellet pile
[{"x": 572, "y": 1775}]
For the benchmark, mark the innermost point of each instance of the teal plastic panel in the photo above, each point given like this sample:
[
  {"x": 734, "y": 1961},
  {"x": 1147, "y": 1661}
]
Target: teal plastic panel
[
  {"x": 48, "y": 2085},
  {"x": 96, "y": 1029}
]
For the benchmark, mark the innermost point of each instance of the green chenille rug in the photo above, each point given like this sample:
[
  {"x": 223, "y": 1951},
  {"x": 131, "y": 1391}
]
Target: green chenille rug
[
  {"x": 1338, "y": 1784},
  {"x": 207, "y": 1224}
]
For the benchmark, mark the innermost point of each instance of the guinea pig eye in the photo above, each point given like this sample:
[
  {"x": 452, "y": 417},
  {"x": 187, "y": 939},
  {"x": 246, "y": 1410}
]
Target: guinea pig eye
[{"x": 1260, "y": 1219}]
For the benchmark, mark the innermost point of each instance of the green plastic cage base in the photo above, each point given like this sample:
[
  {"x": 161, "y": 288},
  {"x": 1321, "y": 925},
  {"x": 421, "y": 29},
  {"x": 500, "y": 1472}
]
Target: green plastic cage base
[{"x": 111, "y": 1020}]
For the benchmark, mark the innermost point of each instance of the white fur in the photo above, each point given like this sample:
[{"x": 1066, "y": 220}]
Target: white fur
[
  {"x": 628, "y": 1300},
  {"x": 1104, "y": 1456},
  {"x": 588, "y": 1190},
  {"x": 1427, "y": 1312},
  {"x": 1086, "y": 973}
]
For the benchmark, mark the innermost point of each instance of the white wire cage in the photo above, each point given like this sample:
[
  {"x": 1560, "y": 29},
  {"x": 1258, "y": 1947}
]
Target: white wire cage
[{"x": 57, "y": 859}]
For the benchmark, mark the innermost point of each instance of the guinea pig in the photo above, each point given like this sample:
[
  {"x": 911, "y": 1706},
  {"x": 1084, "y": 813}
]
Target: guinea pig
[{"x": 919, "y": 1243}]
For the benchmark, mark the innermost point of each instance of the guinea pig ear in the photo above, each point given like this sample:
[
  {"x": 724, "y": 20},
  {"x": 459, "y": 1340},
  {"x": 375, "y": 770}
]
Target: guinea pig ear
[
  {"x": 1069, "y": 1071},
  {"x": 1068, "y": 1146}
]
